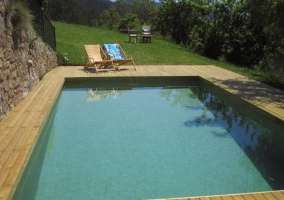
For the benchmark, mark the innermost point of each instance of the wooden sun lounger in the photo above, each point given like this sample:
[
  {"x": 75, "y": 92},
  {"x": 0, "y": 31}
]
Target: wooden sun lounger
[
  {"x": 94, "y": 59},
  {"x": 118, "y": 56}
]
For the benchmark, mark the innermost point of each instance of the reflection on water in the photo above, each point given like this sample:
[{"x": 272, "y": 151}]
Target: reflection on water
[
  {"x": 264, "y": 147},
  {"x": 97, "y": 94}
]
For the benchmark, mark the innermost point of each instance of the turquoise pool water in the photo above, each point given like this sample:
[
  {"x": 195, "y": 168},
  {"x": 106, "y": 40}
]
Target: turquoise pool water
[{"x": 150, "y": 143}]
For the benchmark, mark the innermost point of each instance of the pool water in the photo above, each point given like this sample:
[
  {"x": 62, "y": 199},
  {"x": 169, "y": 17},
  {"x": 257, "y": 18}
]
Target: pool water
[{"x": 153, "y": 143}]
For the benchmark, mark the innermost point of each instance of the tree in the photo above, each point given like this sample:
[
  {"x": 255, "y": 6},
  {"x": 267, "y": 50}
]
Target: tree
[
  {"x": 244, "y": 32},
  {"x": 174, "y": 19},
  {"x": 109, "y": 19},
  {"x": 67, "y": 11},
  {"x": 77, "y": 11},
  {"x": 129, "y": 21},
  {"x": 269, "y": 15},
  {"x": 144, "y": 10},
  {"x": 43, "y": 4}
]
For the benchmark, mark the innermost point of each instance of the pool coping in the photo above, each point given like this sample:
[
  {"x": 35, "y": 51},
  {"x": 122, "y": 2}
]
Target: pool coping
[{"x": 20, "y": 129}]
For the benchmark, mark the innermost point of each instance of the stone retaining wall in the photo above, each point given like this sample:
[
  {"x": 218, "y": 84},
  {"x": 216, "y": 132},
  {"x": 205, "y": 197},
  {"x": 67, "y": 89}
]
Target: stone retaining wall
[{"x": 24, "y": 59}]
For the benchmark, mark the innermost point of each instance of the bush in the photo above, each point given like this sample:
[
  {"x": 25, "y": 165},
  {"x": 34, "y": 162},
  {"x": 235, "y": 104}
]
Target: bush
[
  {"x": 19, "y": 14},
  {"x": 62, "y": 59},
  {"x": 130, "y": 21}
]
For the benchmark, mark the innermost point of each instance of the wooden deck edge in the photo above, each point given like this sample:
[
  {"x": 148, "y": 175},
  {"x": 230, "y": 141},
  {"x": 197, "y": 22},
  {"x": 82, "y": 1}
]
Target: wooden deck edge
[
  {"x": 279, "y": 192},
  {"x": 48, "y": 106}
]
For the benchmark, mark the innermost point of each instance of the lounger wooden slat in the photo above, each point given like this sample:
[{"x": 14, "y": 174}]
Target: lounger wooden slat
[{"x": 95, "y": 59}]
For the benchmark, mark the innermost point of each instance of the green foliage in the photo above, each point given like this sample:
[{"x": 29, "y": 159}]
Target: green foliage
[
  {"x": 245, "y": 32},
  {"x": 43, "y": 4},
  {"x": 125, "y": 14},
  {"x": 19, "y": 14},
  {"x": 62, "y": 59},
  {"x": 109, "y": 19},
  {"x": 175, "y": 19},
  {"x": 268, "y": 15},
  {"x": 130, "y": 21},
  {"x": 77, "y": 11},
  {"x": 66, "y": 10}
]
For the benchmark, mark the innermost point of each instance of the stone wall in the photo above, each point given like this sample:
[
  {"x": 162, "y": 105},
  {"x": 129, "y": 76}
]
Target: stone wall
[{"x": 24, "y": 59}]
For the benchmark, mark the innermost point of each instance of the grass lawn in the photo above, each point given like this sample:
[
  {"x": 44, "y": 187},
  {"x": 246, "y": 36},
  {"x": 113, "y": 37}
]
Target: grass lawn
[{"x": 70, "y": 39}]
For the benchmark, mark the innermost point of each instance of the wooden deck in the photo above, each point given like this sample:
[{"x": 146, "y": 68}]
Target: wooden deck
[{"x": 19, "y": 130}]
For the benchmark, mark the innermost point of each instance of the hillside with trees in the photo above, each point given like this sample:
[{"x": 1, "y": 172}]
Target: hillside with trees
[
  {"x": 248, "y": 33},
  {"x": 77, "y": 11}
]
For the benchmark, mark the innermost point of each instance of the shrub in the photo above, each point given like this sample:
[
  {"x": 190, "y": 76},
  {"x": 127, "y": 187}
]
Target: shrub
[{"x": 19, "y": 14}]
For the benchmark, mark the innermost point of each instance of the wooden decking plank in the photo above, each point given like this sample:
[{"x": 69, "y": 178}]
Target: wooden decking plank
[
  {"x": 43, "y": 116},
  {"x": 215, "y": 198},
  {"x": 47, "y": 106},
  {"x": 15, "y": 139},
  {"x": 16, "y": 169},
  {"x": 12, "y": 118},
  {"x": 147, "y": 71},
  {"x": 3, "y": 176},
  {"x": 41, "y": 119},
  {"x": 3, "y": 159},
  {"x": 10, "y": 137},
  {"x": 34, "y": 118},
  {"x": 54, "y": 93},
  {"x": 139, "y": 72},
  {"x": 278, "y": 195},
  {"x": 23, "y": 139},
  {"x": 269, "y": 196},
  {"x": 18, "y": 119},
  {"x": 45, "y": 92},
  {"x": 205, "y": 198},
  {"x": 274, "y": 111},
  {"x": 32, "y": 106},
  {"x": 238, "y": 197},
  {"x": 248, "y": 197},
  {"x": 35, "y": 91},
  {"x": 258, "y": 196},
  {"x": 11, "y": 160},
  {"x": 227, "y": 198},
  {"x": 5, "y": 172},
  {"x": 11, "y": 179},
  {"x": 43, "y": 103},
  {"x": 3, "y": 135},
  {"x": 32, "y": 137},
  {"x": 29, "y": 117},
  {"x": 4, "y": 192}
]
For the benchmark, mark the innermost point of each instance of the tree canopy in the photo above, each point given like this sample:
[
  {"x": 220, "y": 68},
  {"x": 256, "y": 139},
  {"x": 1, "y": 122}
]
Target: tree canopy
[
  {"x": 245, "y": 32},
  {"x": 77, "y": 11}
]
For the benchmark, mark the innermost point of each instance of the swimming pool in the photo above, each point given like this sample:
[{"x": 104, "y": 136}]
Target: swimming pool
[{"x": 140, "y": 143}]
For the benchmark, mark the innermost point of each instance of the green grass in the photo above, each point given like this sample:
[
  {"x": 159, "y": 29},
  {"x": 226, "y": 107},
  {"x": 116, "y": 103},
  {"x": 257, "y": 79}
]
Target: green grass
[{"x": 70, "y": 39}]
